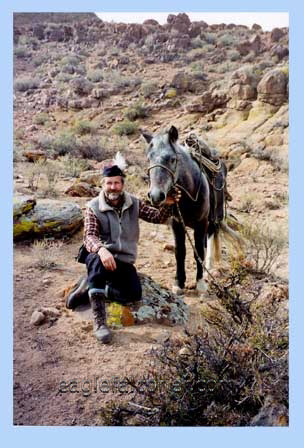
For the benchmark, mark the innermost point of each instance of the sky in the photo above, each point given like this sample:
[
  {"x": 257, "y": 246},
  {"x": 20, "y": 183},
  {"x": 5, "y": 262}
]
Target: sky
[{"x": 267, "y": 20}]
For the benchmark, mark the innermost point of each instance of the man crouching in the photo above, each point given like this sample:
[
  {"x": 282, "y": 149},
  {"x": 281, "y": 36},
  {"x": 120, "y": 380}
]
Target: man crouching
[{"x": 111, "y": 233}]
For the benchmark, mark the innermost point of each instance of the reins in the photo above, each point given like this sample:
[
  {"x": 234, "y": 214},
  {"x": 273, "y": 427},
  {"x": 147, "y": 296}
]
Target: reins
[
  {"x": 174, "y": 176},
  {"x": 222, "y": 290}
]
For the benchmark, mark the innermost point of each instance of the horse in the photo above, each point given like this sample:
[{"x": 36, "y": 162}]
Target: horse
[{"x": 171, "y": 166}]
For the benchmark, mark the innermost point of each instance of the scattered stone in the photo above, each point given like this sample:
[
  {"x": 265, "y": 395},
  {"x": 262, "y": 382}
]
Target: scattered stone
[
  {"x": 169, "y": 247},
  {"x": 34, "y": 155},
  {"x": 37, "y": 318},
  {"x": 49, "y": 311},
  {"x": 272, "y": 413}
]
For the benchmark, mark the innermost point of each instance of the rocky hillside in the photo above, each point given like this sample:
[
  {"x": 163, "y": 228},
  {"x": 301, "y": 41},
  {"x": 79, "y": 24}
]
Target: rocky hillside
[{"x": 83, "y": 89}]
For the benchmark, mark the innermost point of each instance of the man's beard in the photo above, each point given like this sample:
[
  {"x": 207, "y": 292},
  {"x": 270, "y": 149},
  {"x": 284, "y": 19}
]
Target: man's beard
[{"x": 113, "y": 196}]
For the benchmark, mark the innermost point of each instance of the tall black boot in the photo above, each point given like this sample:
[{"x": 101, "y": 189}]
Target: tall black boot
[
  {"x": 79, "y": 294},
  {"x": 101, "y": 331}
]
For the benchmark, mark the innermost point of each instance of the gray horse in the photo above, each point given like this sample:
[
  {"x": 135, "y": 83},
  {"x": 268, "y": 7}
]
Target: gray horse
[{"x": 171, "y": 165}]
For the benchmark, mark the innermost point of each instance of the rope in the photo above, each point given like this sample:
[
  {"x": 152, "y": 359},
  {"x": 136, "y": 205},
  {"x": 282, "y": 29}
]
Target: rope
[{"x": 222, "y": 290}]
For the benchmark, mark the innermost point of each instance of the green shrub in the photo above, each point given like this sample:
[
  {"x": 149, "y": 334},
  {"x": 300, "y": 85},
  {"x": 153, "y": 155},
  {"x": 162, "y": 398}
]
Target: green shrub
[
  {"x": 41, "y": 118},
  {"x": 91, "y": 148},
  {"x": 197, "y": 42},
  {"x": 148, "y": 88},
  {"x": 24, "y": 84},
  {"x": 70, "y": 60},
  {"x": 95, "y": 75},
  {"x": 72, "y": 166},
  {"x": 233, "y": 55},
  {"x": 197, "y": 66},
  {"x": 138, "y": 110},
  {"x": 210, "y": 38},
  {"x": 83, "y": 127},
  {"x": 64, "y": 143},
  {"x": 21, "y": 52},
  {"x": 225, "y": 40},
  {"x": 126, "y": 127},
  {"x": 39, "y": 60}
]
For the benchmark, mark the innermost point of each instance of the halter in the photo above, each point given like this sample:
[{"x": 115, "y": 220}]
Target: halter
[{"x": 174, "y": 175}]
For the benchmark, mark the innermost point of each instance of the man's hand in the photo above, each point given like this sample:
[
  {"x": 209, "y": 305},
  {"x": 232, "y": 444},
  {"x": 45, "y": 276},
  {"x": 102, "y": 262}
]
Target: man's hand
[
  {"x": 175, "y": 197},
  {"x": 107, "y": 259}
]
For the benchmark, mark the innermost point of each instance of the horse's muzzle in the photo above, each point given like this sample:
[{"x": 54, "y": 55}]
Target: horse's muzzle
[{"x": 156, "y": 196}]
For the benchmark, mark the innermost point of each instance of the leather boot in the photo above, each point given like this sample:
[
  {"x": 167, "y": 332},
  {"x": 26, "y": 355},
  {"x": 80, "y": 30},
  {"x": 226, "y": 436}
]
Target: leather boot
[
  {"x": 101, "y": 331},
  {"x": 79, "y": 294}
]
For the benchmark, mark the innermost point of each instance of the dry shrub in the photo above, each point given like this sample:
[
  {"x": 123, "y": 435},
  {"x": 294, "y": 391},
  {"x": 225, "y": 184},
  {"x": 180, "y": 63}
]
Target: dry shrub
[
  {"x": 45, "y": 254},
  {"x": 219, "y": 376},
  {"x": 264, "y": 245}
]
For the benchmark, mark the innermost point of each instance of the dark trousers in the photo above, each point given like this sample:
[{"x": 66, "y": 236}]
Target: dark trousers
[{"x": 124, "y": 278}]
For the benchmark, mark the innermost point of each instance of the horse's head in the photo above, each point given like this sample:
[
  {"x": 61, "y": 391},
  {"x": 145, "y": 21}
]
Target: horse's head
[{"x": 163, "y": 164}]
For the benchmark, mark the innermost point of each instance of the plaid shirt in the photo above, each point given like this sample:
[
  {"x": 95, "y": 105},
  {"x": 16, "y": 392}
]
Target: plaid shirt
[{"x": 146, "y": 212}]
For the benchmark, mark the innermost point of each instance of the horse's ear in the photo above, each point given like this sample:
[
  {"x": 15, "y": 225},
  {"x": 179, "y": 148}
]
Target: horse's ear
[
  {"x": 173, "y": 134},
  {"x": 148, "y": 137}
]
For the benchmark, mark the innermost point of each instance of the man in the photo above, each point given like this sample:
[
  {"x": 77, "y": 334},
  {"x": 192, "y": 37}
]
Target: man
[{"x": 111, "y": 233}]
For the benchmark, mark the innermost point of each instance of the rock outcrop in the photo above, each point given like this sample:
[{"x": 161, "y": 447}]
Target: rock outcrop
[
  {"x": 46, "y": 218},
  {"x": 272, "y": 88}
]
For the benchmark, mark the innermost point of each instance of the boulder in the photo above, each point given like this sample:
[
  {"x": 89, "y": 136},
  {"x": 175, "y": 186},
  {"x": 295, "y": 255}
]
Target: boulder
[
  {"x": 91, "y": 177},
  {"x": 272, "y": 88},
  {"x": 208, "y": 102},
  {"x": 22, "y": 205},
  {"x": 279, "y": 51},
  {"x": 242, "y": 88},
  {"x": 276, "y": 34},
  {"x": 34, "y": 155},
  {"x": 158, "y": 304},
  {"x": 179, "y": 22},
  {"x": 81, "y": 189},
  {"x": 48, "y": 218}
]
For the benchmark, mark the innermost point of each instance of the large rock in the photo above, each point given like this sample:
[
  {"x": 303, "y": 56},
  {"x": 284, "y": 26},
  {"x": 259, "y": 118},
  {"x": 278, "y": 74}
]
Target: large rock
[
  {"x": 207, "y": 102},
  {"x": 158, "y": 304},
  {"x": 48, "y": 218},
  {"x": 242, "y": 88},
  {"x": 82, "y": 189},
  {"x": 276, "y": 34},
  {"x": 23, "y": 204},
  {"x": 91, "y": 177},
  {"x": 272, "y": 88},
  {"x": 179, "y": 22}
]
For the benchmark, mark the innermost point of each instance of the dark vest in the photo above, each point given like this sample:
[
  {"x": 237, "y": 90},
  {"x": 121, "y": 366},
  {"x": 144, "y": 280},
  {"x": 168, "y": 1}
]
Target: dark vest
[{"x": 118, "y": 234}]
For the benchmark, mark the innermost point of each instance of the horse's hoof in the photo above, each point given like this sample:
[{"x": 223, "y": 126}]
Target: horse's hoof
[
  {"x": 201, "y": 286},
  {"x": 177, "y": 290}
]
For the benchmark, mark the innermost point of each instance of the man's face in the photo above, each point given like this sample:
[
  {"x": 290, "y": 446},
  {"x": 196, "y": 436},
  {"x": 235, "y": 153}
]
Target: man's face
[{"x": 113, "y": 187}]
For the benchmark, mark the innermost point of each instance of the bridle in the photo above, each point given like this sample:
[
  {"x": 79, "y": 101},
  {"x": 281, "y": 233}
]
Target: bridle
[{"x": 174, "y": 175}]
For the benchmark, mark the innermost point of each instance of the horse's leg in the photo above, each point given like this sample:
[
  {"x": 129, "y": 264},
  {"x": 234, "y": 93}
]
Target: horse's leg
[
  {"x": 180, "y": 255},
  {"x": 200, "y": 235}
]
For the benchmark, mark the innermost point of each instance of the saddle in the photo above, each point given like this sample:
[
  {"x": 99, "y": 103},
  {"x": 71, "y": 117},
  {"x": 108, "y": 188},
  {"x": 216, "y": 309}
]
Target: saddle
[{"x": 216, "y": 172}]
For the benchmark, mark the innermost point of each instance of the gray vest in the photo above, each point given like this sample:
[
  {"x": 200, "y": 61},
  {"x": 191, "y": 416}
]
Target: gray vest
[{"x": 119, "y": 235}]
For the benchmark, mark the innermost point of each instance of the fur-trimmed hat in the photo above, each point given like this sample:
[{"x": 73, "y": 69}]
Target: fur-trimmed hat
[{"x": 115, "y": 167}]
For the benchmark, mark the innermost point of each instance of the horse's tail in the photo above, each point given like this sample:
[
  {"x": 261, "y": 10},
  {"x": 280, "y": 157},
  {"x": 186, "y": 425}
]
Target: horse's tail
[
  {"x": 232, "y": 236},
  {"x": 217, "y": 232},
  {"x": 214, "y": 247}
]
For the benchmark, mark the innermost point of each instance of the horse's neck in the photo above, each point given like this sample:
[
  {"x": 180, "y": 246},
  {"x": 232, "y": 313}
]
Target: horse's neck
[{"x": 188, "y": 171}]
